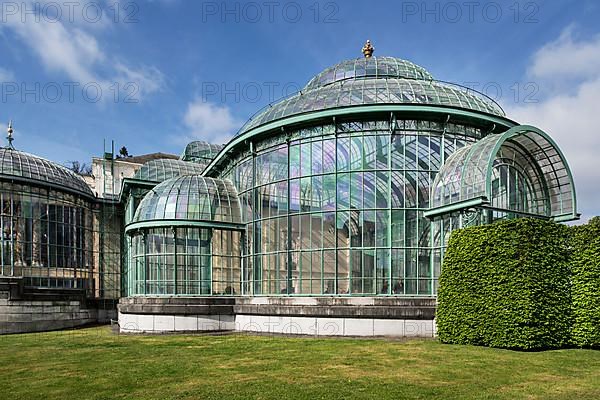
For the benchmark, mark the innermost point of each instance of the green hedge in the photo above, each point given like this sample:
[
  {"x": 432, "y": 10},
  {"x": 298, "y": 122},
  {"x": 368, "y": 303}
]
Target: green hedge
[
  {"x": 586, "y": 283},
  {"x": 506, "y": 285}
]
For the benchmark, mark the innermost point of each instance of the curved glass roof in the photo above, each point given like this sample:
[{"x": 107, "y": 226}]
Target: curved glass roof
[
  {"x": 356, "y": 92},
  {"x": 191, "y": 198},
  {"x": 17, "y": 164},
  {"x": 166, "y": 168},
  {"x": 471, "y": 171},
  {"x": 374, "y": 67},
  {"x": 200, "y": 151}
]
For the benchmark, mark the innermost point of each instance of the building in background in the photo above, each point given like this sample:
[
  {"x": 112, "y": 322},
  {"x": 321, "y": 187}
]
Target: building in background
[{"x": 109, "y": 171}]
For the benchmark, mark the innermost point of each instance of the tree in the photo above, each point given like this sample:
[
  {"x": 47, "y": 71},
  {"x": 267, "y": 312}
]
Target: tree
[
  {"x": 79, "y": 167},
  {"x": 123, "y": 153}
]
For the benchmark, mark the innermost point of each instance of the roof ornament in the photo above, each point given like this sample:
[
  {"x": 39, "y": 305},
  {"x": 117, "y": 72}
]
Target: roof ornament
[
  {"x": 368, "y": 49},
  {"x": 9, "y": 135}
]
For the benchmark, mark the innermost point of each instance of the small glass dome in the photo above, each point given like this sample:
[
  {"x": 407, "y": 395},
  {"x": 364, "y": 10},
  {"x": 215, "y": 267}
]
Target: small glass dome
[
  {"x": 18, "y": 165},
  {"x": 191, "y": 198},
  {"x": 200, "y": 152},
  {"x": 166, "y": 168},
  {"x": 374, "y": 67}
]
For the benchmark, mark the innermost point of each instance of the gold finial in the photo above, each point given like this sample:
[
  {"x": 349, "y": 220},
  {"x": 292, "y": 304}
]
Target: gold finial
[
  {"x": 9, "y": 135},
  {"x": 368, "y": 49}
]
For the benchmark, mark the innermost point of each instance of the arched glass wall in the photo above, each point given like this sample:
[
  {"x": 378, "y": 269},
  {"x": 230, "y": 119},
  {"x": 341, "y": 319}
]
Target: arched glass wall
[
  {"x": 337, "y": 209},
  {"x": 519, "y": 171}
]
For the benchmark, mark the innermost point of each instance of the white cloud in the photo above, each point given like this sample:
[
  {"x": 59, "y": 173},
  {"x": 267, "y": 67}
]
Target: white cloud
[
  {"x": 6, "y": 75},
  {"x": 70, "y": 47},
  {"x": 146, "y": 79},
  {"x": 570, "y": 117},
  {"x": 567, "y": 58},
  {"x": 210, "y": 122}
]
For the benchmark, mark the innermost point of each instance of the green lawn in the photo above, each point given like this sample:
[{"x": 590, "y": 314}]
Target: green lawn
[{"x": 98, "y": 364}]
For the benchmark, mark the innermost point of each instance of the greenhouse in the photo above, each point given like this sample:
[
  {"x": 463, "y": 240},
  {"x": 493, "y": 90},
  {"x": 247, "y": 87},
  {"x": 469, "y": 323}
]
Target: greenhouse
[
  {"x": 348, "y": 189},
  {"x": 333, "y": 205},
  {"x": 61, "y": 246}
]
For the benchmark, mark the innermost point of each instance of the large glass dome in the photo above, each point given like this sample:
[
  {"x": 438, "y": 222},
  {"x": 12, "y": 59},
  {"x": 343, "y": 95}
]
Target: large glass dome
[
  {"x": 22, "y": 166},
  {"x": 379, "y": 80}
]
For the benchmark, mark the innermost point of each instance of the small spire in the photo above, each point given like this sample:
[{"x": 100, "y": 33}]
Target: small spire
[
  {"x": 9, "y": 135},
  {"x": 368, "y": 49}
]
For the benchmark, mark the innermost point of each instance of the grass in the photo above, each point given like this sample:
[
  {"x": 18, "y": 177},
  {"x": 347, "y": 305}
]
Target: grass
[{"x": 95, "y": 363}]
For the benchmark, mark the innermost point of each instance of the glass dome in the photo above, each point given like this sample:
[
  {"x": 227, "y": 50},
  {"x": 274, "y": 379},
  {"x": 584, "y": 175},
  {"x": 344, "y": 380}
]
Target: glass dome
[
  {"x": 18, "y": 165},
  {"x": 166, "y": 168},
  {"x": 200, "y": 151},
  {"x": 374, "y": 67},
  {"x": 191, "y": 198},
  {"x": 365, "y": 91}
]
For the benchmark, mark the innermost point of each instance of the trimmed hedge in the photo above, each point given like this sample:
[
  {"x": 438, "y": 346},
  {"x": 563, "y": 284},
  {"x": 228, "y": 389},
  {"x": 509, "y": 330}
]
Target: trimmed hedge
[
  {"x": 586, "y": 284},
  {"x": 506, "y": 285}
]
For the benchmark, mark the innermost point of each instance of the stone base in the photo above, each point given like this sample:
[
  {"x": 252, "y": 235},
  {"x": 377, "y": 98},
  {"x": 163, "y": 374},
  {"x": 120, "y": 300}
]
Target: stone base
[
  {"x": 24, "y": 310},
  {"x": 21, "y": 316},
  {"x": 315, "y": 316}
]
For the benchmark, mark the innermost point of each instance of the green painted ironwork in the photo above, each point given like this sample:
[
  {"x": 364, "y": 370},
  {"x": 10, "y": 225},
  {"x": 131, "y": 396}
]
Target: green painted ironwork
[{"x": 232, "y": 149}]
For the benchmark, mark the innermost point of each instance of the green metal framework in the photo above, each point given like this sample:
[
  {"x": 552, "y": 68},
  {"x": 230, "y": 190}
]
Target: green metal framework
[
  {"x": 55, "y": 234},
  {"x": 337, "y": 208},
  {"x": 239, "y": 143},
  {"x": 377, "y": 80},
  {"x": 359, "y": 92}
]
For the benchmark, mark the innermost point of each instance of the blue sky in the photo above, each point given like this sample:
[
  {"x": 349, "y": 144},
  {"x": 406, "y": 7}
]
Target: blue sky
[{"x": 199, "y": 69}]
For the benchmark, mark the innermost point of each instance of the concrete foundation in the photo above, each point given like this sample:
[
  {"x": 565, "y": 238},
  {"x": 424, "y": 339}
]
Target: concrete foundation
[{"x": 316, "y": 316}]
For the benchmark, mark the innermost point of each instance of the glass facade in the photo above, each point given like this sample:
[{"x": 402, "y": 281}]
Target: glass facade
[
  {"x": 185, "y": 261},
  {"x": 338, "y": 209},
  {"x": 47, "y": 237},
  {"x": 54, "y": 233}
]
